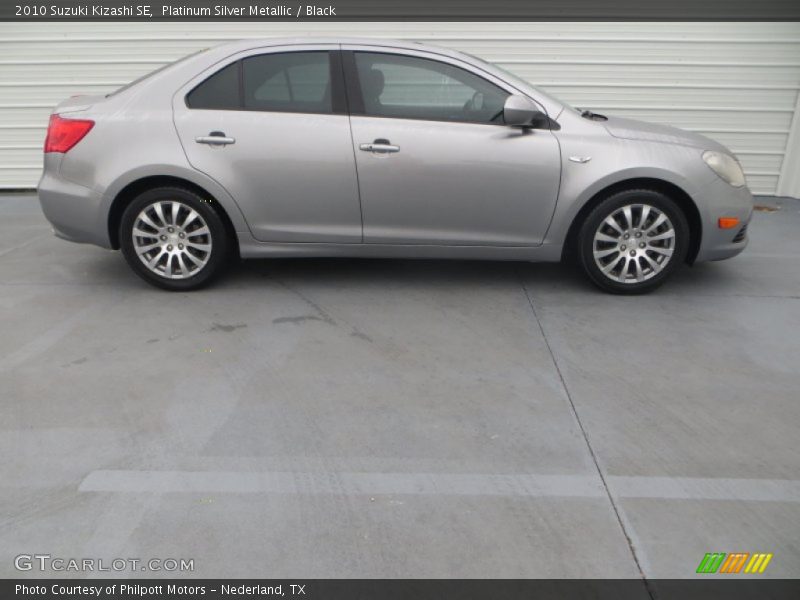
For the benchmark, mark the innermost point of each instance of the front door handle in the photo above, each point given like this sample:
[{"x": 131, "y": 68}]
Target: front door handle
[
  {"x": 380, "y": 146},
  {"x": 215, "y": 138}
]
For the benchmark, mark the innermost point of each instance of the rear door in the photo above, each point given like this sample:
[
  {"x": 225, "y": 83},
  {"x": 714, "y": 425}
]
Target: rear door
[{"x": 271, "y": 126}]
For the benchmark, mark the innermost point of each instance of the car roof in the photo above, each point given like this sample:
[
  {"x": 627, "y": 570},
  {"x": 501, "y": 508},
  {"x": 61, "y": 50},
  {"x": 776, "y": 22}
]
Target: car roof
[
  {"x": 255, "y": 41},
  {"x": 246, "y": 44}
]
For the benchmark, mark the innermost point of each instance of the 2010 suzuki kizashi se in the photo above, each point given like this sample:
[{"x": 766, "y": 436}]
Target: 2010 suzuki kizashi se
[{"x": 379, "y": 149}]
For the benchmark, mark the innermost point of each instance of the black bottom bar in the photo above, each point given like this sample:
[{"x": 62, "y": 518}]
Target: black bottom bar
[{"x": 733, "y": 588}]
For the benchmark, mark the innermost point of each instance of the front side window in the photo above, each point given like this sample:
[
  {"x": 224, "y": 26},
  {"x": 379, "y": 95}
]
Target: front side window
[
  {"x": 417, "y": 88},
  {"x": 286, "y": 82}
]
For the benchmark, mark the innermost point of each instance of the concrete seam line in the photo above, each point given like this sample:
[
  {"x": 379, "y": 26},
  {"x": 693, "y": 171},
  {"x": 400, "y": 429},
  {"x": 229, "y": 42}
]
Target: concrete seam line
[
  {"x": 46, "y": 340},
  {"x": 531, "y": 485},
  {"x": 344, "y": 483},
  {"x": 585, "y": 435}
]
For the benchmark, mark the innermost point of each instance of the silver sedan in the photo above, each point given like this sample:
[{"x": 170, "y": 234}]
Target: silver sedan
[{"x": 348, "y": 147}]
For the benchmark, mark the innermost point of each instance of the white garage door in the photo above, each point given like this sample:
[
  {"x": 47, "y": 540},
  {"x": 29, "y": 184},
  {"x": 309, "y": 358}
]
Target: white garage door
[{"x": 735, "y": 82}]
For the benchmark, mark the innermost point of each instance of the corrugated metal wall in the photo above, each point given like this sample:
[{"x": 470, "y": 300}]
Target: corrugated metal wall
[{"x": 735, "y": 82}]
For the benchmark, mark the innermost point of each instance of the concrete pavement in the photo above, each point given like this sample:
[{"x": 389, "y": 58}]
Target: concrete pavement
[{"x": 354, "y": 418}]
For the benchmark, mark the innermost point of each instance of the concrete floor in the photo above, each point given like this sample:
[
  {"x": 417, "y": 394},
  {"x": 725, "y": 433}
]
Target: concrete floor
[{"x": 349, "y": 418}]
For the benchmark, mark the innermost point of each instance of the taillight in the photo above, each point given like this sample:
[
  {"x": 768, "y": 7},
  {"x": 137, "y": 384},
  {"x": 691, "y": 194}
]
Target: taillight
[{"x": 63, "y": 134}]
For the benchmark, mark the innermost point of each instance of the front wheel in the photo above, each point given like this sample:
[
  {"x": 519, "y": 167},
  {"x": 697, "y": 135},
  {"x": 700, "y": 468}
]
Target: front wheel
[
  {"x": 632, "y": 241},
  {"x": 173, "y": 238}
]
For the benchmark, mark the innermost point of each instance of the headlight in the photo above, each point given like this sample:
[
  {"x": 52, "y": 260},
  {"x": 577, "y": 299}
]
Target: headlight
[{"x": 724, "y": 165}]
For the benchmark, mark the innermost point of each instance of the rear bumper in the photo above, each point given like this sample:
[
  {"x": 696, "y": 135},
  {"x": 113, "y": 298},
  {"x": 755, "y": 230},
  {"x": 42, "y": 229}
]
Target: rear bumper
[
  {"x": 723, "y": 200},
  {"x": 74, "y": 211}
]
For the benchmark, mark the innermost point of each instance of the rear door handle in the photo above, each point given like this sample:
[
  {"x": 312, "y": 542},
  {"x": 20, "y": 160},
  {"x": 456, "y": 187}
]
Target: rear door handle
[
  {"x": 215, "y": 138},
  {"x": 380, "y": 146}
]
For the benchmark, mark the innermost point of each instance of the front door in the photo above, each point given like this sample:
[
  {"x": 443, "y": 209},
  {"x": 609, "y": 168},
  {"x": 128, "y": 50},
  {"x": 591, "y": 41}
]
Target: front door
[
  {"x": 436, "y": 165},
  {"x": 273, "y": 129}
]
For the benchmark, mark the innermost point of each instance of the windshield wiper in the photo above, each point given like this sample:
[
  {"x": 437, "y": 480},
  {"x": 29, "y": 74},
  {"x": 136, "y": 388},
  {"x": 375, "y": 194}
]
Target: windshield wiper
[{"x": 587, "y": 114}]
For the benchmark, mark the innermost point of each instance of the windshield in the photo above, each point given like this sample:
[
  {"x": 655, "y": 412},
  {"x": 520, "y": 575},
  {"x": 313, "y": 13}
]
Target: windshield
[{"x": 517, "y": 81}]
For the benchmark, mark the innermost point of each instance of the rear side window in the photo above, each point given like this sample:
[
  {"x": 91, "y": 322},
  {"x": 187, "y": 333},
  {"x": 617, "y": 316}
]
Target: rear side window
[
  {"x": 290, "y": 82},
  {"x": 285, "y": 82},
  {"x": 219, "y": 92}
]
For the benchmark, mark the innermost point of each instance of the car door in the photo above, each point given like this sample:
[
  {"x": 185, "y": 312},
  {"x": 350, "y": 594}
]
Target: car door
[
  {"x": 435, "y": 163},
  {"x": 271, "y": 126}
]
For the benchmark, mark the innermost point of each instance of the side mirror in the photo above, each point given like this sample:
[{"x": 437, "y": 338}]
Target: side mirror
[{"x": 520, "y": 111}]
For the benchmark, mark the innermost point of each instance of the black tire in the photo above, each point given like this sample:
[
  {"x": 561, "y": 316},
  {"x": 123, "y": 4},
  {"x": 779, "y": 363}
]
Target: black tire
[
  {"x": 622, "y": 277},
  {"x": 217, "y": 239}
]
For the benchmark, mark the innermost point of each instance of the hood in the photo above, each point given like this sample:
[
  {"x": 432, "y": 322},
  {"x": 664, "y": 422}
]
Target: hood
[{"x": 630, "y": 129}]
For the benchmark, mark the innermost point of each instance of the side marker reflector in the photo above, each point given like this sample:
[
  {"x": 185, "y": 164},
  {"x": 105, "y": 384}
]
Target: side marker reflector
[{"x": 728, "y": 222}]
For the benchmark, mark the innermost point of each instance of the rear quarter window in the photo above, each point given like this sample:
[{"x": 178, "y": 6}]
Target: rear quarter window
[{"x": 218, "y": 92}]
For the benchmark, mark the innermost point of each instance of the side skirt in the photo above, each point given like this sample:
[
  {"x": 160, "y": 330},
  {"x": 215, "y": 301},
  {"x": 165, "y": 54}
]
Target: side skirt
[{"x": 249, "y": 248}]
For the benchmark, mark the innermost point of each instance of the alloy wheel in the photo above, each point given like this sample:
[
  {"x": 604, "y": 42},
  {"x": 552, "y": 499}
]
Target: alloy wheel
[
  {"x": 634, "y": 243},
  {"x": 172, "y": 239}
]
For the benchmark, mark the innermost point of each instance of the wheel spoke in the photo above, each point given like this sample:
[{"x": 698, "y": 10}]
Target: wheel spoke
[
  {"x": 606, "y": 252},
  {"x": 202, "y": 247},
  {"x": 155, "y": 260},
  {"x": 611, "y": 222},
  {"x": 665, "y": 251},
  {"x": 653, "y": 264},
  {"x": 660, "y": 220},
  {"x": 145, "y": 234},
  {"x": 639, "y": 273},
  {"x": 145, "y": 218},
  {"x": 666, "y": 235},
  {"x": 645, "y": 214},
  {"x": 626, "y": 269},
  {"x": 145, "y": 249},
  {"x": 175, "y": 209},
  {"x": 194, "y": 259},
  {"x": 610, "y": 266},
  {"x": 196, "y": 232},
  {"x": 189, "y": 218},
  {"x": 602, "y": 237},
  {"x": 160, "y": 213},
  {"x": 628, "y": 216},
  {"x": 182, "y": 265}
]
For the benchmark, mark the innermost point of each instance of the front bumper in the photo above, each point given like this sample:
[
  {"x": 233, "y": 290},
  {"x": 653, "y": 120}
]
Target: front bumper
[
  {"x": 722, "y": 200},
  {"x": 75, "y": 212}
]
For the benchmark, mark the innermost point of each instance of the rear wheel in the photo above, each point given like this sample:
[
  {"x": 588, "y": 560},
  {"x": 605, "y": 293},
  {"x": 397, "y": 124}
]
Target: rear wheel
[
  {"x": 173, "y": 238},
  {"x": 633, "y": 241}
]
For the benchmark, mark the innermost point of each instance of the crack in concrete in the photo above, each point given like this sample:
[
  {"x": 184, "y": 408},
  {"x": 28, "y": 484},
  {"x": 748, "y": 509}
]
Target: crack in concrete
[{"x": 24, "y": 244}]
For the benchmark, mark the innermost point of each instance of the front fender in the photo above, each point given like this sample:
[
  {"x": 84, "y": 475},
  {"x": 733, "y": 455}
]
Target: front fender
[{"x": 615, "y": 162}]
